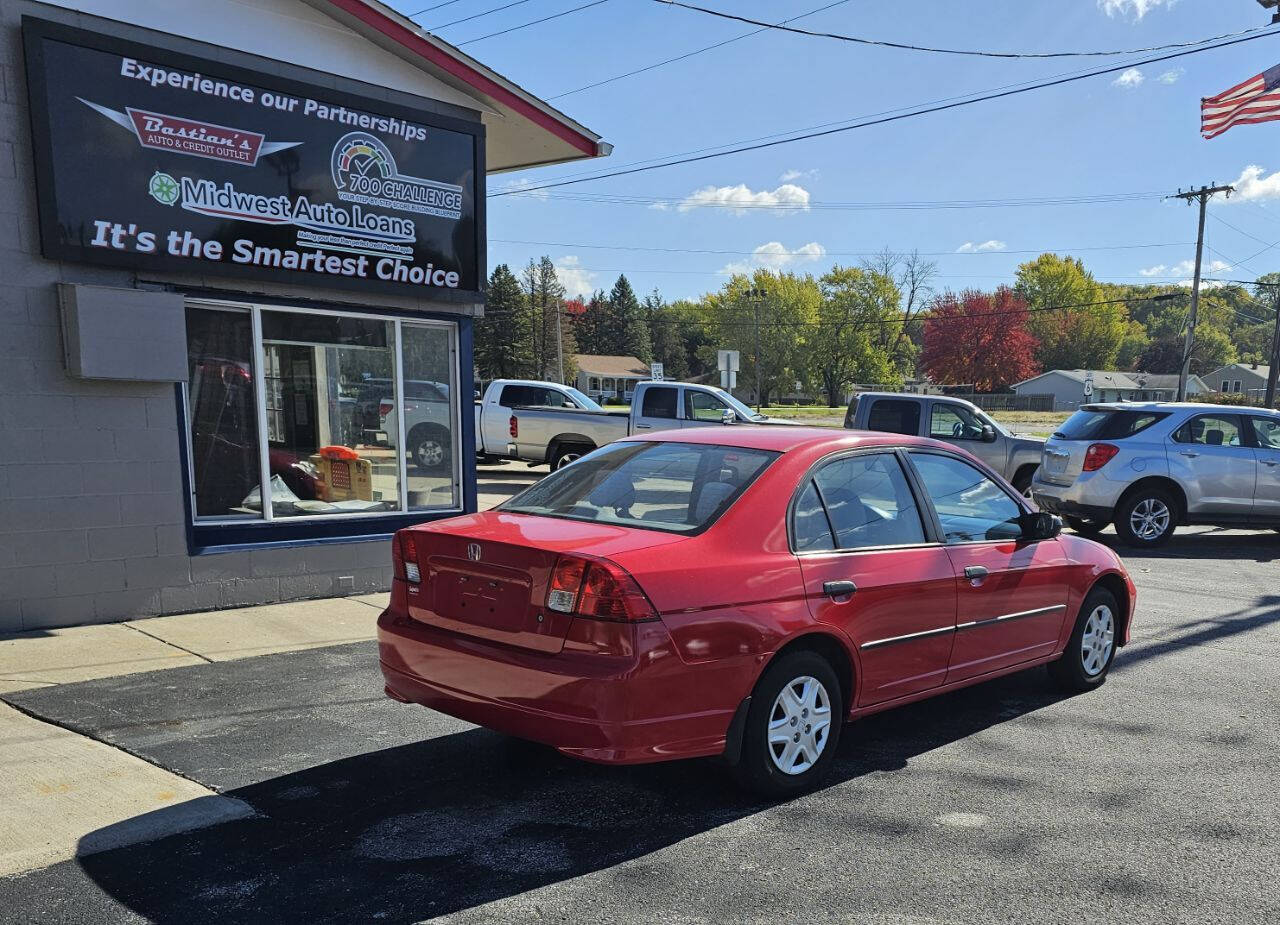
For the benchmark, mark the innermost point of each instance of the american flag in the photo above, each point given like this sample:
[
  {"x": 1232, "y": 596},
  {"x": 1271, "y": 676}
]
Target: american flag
[{"x": 1255, "y": 100}]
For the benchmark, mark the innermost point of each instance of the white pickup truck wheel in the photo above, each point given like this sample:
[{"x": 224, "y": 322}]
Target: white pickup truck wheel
[
  {"x": 569, "y": 453},
  {"x": 429, "y": 447}
]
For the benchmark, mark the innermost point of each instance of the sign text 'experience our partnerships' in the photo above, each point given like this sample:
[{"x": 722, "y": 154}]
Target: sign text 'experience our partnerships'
[{"x": 152, "y": 160}]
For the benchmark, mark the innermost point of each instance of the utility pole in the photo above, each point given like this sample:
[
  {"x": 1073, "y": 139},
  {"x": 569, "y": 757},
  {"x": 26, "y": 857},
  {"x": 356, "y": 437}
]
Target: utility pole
[
  {"x": 756, "y": 297},
  {"x": 1203, "y": 195},
  {"x": 1274, "y": 369},
  {"x": 559, "y": 346}
]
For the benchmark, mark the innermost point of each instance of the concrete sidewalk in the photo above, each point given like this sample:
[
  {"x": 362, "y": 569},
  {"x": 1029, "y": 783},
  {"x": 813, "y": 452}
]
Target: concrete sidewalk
[
  {"x": 57, "y": 786},
  {"x": 82, "y": 653}
]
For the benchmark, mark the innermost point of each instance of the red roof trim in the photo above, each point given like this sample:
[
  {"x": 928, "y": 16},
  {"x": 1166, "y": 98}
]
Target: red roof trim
[{"x": 419, "y": 46}]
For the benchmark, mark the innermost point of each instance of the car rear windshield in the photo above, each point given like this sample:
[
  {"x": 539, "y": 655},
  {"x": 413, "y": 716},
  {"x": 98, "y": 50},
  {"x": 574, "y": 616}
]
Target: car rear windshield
[
  {"x": 1107, "y": 423},
  {"x": 676, "y": 487}
]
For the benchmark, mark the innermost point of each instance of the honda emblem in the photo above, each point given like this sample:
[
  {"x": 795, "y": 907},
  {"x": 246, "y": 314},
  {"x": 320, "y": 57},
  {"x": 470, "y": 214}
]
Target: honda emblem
[{"x": 473, "y": 552}]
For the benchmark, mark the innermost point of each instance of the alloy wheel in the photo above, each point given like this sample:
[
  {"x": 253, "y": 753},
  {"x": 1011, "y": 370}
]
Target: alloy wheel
[
  {"x": 1098, "y": 640},
  {"x": 430, "y": 453},
  {"x": 1150, "y": 518},
  {"x": 799, "y": 725},
  {"x": 568, "y": 458}
]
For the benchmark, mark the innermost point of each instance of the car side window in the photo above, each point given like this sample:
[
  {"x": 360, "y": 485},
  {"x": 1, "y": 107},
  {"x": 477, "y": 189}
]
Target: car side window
[
  {"x": 1267, "y": 432},
  {"x": 1211, "y": 430},
  {"x": 970, "y": 505},
  {"x": 810, "y": 527},
  {"x": 894, "y": 416},
  {"x": 954, "y": 422},
  {"x": 869, "y": 502},
  {"x": 515, "y": 395},
  {"x": 659, "y": 403},
  {"x": 703, "y": 406}
]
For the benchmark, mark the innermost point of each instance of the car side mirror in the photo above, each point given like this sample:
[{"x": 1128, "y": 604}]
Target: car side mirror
[
  {"x": 988, "y": 434},
  {"x": 728, "y": 416},
  {"x": 1038, "y": 525}
]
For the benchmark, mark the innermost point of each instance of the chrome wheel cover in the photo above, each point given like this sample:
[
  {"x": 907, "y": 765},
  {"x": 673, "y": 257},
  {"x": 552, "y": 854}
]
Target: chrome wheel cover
[
  {"x": 1098, "y": 641},
  {"x": 430, "y": 452},
  {"x": 1150, "y": 519},
  {"x": 799, "y": 725},
  {"x": 568, "y": 458}
]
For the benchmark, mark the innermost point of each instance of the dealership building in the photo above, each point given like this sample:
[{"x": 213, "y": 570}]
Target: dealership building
[{"x": 241, "y": 248}]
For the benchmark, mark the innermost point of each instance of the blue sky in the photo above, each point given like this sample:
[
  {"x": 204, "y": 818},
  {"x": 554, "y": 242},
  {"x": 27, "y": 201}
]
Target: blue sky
[{"x": 1105, "y": 135}]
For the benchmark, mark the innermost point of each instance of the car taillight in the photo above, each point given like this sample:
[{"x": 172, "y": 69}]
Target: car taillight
[
  {"x": 409, "y": 558},
  {"x": 385, "y": 407},
  {"x": 599, "y": 589},
  {"x": 513, "y": 426},
  {"x": 1098, "y": 455}
]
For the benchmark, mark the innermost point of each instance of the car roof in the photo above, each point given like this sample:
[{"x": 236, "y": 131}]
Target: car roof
[
  {"x": 1174, "y": 406},
  {"x": 782, "y": 438}
]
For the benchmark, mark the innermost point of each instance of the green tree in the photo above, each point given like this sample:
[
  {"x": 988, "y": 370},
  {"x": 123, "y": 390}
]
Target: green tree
[
  {"x": 626, "y": 329},
  {"x": 666, "y": 337},
  {"x": 1213, "y": 348},
  {"x": 504, "y": 336},
  {"x": 784, "y": 320},
  {"x": 589, "y": 327},
  {"x": 545, "y": 297},
  {"x": 848, "y": 343},
  {"x": 1132, "y": 345},
  {"x": 1086, "y": 337}
]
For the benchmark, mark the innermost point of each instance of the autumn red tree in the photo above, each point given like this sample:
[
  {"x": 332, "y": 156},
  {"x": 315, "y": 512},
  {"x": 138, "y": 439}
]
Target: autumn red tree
[{"x": 979, "y": 338}]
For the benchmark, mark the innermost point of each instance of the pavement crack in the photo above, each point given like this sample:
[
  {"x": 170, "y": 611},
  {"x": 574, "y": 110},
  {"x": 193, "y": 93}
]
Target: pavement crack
[{"x": 172, "y": 645}]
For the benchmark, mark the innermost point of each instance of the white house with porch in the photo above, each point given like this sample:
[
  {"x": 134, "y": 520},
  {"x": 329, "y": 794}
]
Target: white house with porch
[{"x": 609, "y": 377}]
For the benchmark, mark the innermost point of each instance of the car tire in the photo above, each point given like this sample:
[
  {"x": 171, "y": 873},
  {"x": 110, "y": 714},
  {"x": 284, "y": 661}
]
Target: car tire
[
  {"x": 1092, "y": 648},
  {"x": 1146, "y": 518},
  {"x": 1085, "y": 526},
  {"x": 569, "y": 453},
  {"x": 1022, "y": 480},
  {"x": 775, "y": 763},
  {"x": 430, "y": 448}
]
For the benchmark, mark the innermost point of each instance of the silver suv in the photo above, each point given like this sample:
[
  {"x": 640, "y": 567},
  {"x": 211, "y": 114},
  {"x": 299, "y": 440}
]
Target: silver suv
[{"x": 1151, "y": 466}]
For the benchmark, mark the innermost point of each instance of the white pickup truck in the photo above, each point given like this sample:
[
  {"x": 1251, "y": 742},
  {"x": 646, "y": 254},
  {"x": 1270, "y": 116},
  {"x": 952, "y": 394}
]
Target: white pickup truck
[{"x": 541, "y": 422}]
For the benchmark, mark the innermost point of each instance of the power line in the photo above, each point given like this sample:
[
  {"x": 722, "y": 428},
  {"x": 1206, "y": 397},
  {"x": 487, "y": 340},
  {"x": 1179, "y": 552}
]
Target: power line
[
  {"x": 496, "y": 9},
  {"x": 690, "y": 54},
  {"x": 953, "y": 51},
  {"x": 800, "y": 253},
  {"x": 1099, "y": 72},
  {"x": 535, "y": 22},
  {"x": 428, "y": 9},
  {"x": 688, "y": 203}
]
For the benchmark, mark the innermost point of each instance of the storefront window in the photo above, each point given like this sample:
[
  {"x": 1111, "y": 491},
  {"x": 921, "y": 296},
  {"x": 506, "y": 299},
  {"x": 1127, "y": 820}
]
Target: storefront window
[
  {"x": 428, "y": 417},
  {"x": 323, "y": 426},
  {"x": 324, "y": 450},
  {"x": 222, "y": 410}
]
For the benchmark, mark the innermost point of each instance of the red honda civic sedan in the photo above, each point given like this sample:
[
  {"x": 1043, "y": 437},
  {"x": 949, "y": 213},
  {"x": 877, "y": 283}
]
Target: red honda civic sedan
[{"x": 745, "y": 592}]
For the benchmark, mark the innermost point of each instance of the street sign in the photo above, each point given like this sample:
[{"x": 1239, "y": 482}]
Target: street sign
[
  {"x": 727, "y": 361},
  {"x": 655, "y": 372},
  {"x": 729, "y": 379},
  {"x": 1088, "y": 387}
]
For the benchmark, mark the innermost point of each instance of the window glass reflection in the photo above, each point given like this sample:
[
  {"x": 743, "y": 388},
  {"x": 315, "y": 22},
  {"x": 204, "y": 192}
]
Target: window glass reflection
[{"x": 431, "y": 449}]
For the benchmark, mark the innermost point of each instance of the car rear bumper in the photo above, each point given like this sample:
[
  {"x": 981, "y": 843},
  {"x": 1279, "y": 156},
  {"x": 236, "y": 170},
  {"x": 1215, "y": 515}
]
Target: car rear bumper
[
  {"x": 600, "y": 708},
  {"x": 1091, "y": 495},
  {"x": 1054, "y": 505}
]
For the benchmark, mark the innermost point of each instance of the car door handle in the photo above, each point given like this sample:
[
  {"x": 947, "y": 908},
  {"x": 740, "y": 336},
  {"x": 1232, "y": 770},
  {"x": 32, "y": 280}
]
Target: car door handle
[
  {"x": 975, "y": 572},
  {"x": 1270, "y": 462},
  {"x": 838, "y": 588},
  {"x": 1188, "y": 453},
  {"x": 644, "y": 427}
]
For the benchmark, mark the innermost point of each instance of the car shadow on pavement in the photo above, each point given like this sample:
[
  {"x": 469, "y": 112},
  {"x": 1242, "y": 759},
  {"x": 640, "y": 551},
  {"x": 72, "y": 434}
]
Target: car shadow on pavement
[
  {"x": 446, "y": 824},
  {"x": 450, "y": 823},
  {"x": 1210, "y": 544}
]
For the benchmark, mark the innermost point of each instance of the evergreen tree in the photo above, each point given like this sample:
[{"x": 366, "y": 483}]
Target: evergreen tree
[
  {"x": 504, "y": 336},
  {"x": 666, "y": 338},
  {"x": 589, "y": 327},
  {"x": 626, "y": 329},
  {"x": 545, "y": 296}
]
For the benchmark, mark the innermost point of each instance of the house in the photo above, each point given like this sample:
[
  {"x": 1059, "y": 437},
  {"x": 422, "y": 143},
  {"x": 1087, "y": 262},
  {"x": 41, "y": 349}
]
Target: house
[
  {"x": 1239, "y": 379},
  {"x": 604, "y": 377},
  {"x": 1067, "y": 386}
]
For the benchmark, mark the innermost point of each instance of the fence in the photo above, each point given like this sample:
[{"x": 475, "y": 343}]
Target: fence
[{"x": 1009, "y": 402}]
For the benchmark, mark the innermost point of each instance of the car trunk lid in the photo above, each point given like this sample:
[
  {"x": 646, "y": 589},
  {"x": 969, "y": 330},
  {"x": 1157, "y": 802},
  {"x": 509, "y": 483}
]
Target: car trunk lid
[
  {"x": 487, "y": 575},
  {"x": 1062, "y": 460}
]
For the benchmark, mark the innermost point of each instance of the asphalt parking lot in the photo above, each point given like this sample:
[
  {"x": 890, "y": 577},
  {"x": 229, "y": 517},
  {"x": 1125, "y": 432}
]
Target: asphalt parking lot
[{"x": 1152, "y": 799}]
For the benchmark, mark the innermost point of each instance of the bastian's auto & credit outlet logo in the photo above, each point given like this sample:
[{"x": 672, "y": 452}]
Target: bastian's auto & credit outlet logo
[{"x": 365, "y": 172}]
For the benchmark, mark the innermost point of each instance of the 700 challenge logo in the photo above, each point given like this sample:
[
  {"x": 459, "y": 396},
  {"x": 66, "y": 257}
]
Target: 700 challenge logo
[{"x": 365, "y": 172}]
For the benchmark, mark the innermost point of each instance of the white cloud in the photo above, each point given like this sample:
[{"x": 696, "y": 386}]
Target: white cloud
[
  {"x": 519, "y": 186},
  {"x": 776, "y": 257},
  {"x": 578, "y": 283},
  {"x": 970, "y": 247},
  {"x": 1129, "y": 79},
  {"x": 790, "y": 175},
  {"x": 1171, "y": 76},
  {"x": 1251, "y": 185},
  {"x": 740, "y": 199},
  {"x": 1134, "y": 9},
  {"x": 1186, "y": 268}
]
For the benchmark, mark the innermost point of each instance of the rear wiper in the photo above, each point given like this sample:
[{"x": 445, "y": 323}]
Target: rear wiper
[{"x": 1058, "y": 433}]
